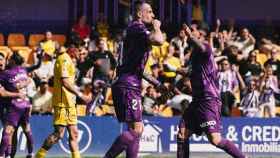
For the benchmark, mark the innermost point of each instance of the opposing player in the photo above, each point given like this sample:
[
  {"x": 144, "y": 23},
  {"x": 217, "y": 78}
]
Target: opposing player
[
  {"x": 204, "y": 113},
  {"x": 127, "y": 88},
  {"x": 65, "y": 114}
]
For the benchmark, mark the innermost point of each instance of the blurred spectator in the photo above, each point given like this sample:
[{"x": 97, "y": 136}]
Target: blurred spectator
[
  {"x": 102, "y": 26},
  {"x": 82, "y": 28},
  {"x": 42, "y": 100},
  {"x": 269, "y": 86},
  {"x": 84, "y": 63},
  {"x": 181, "y": 40},
  {"x": 250, "y": 103},
  {"x": 274, "y": 62},
  {"x": 251, "y": 67},
  {"x": 149, "y": 101},
  {"x": 160, "y": 52},
  {"x": 103, "y": 63},
  {"x": 45, "y": 71},
  {"x": 172, "y": 61},
  {"x": 228, "y": 85},
  {"x": 245, "y": 43},
  {"x": 49, "y": 45}
]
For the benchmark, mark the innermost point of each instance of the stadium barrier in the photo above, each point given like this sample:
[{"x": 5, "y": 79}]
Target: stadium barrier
[{"x": 96, "y": 134}]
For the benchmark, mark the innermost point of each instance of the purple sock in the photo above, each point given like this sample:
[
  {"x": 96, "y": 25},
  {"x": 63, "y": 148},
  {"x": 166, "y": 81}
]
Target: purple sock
[
  {"x": 30, "y": 142},
  {"x": 4, "y": 143},
  {"x": 8, "y": 150},
  {"x": 121, "y": 143},
  {"x": 230, "y": 148},
  {"x": 14, "y": 144},
  {"x": 183, "y": 148},
  {"x": 133, "y": 148}
]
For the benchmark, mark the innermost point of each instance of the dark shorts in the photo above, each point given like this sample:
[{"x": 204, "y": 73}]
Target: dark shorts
[
  {"x": 127, "y": 104},
  {"x": 2, "y": 113},
  {"x": 203, "y": 117},
  {"x": 17, "y": 116}
]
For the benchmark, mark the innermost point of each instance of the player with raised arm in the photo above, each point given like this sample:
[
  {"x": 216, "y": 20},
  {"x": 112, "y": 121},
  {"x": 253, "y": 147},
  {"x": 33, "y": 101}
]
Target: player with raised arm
[
  {"x": 65, "y": 113},
  {"x": 204, "y": 113},
  {"x": 127, "y": 88}
]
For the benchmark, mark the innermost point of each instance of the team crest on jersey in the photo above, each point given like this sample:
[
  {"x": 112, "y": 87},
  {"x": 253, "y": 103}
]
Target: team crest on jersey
[{"x": 208, "y": 123}]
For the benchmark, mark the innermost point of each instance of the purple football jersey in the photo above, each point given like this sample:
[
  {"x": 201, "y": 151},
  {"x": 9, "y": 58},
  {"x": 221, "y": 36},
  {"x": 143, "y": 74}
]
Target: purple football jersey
[
  {"x": 13, "y": 80},
  {"x": 134, "y": 56},
  {"x": 204, "y": 78}
]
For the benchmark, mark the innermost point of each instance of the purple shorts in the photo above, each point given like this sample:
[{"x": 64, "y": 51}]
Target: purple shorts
[
  {"x": 203, "y": 117},
  {"x": 16, "y": 116},
  {"x": 127, "y": 104}
]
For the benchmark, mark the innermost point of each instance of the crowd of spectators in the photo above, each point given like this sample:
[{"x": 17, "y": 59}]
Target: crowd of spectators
[{"x": 249, "y": 70}]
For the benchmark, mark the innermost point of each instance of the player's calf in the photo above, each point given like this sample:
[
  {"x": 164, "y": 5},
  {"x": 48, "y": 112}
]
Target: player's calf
[
  {"x": 30, "y": 141},
  {"x": 73, "y": 141},
  {"x": 183, "y": 143},
  {"x": 6, "y": 140},
  {"x": 224, "y": 144}
]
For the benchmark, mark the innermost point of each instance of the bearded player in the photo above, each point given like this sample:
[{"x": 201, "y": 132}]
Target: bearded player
[
  {"x": 204, "y": 113},
  {"x": 127, "y": 88}
]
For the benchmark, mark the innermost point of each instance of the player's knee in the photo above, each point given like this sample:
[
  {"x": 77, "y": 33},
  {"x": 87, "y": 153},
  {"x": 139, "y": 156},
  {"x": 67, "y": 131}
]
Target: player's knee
[
  {"x": 54, "y": 138},
  {"x": 9, "y": 130},
  {"x": 74, "y": 135},
  {"x": 182, "y": 135},
  {"x": 215, "y": 140},
  {"x": 138, "y": 128}
]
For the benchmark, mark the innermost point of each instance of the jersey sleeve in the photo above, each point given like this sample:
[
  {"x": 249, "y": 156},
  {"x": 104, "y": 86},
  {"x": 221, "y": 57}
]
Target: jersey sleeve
[{"x": 63, "y": 68}]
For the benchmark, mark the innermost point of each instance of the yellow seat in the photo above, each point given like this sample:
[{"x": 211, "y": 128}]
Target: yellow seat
[
  {"x": 16, "y": 39},
  {"x": 6, "y": 51},
  {"x": 2, "y": 40},
  {"x": 34, "y": 39},
  {"x": 25, "y": 52},
  {"x": 278, "y": 110},
  {"x": 60, "y": 38}
]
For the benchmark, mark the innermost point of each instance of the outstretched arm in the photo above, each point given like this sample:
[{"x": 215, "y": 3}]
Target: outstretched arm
[{"x": 194, "y": 40}]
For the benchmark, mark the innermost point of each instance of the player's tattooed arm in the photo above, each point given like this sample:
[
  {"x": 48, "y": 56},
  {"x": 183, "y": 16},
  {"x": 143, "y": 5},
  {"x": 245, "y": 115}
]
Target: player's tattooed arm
[{"x": 156, "y": 37}]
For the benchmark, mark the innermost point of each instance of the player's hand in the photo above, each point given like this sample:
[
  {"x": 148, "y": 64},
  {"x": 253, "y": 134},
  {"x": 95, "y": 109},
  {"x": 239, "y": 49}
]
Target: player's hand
[
  {"x": 156, "y": 24},
  {"x": 86, "y": 99},
  {"x": 21, "y": 95},
  {"x": 218, "y": 22},
  {"x": 188, "y": 31}
]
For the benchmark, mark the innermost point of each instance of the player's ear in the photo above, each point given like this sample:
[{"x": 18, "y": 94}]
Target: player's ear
[{"x": 139, "y": 14}]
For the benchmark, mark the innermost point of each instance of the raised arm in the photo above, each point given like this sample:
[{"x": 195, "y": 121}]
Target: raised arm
[
  {"x": 37, "y": 65},
  {"x": 194, "y": 40},
  {"x": 156, "y": 37}
]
